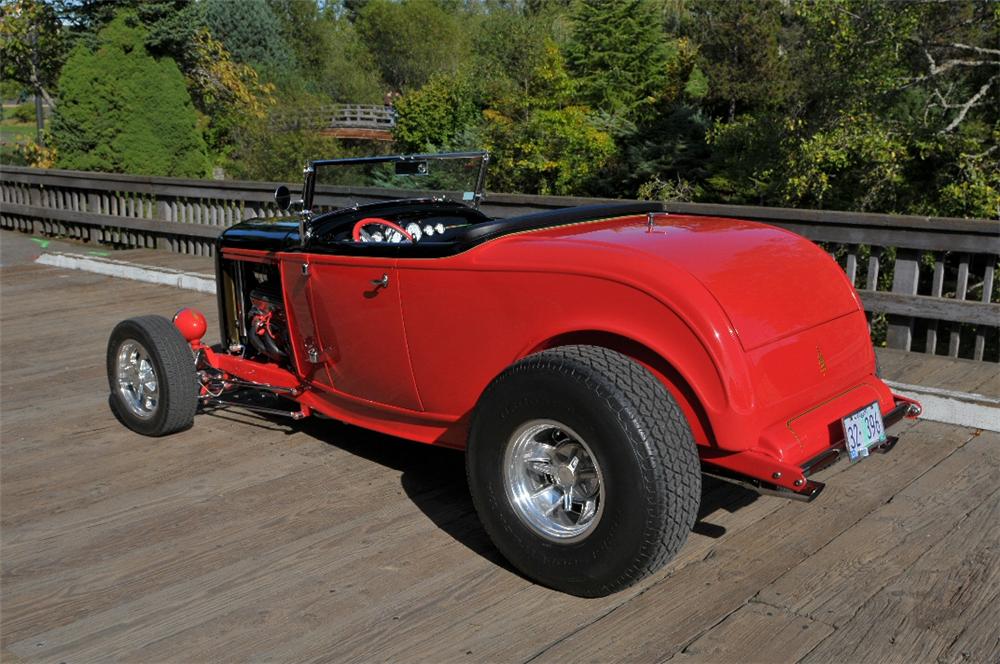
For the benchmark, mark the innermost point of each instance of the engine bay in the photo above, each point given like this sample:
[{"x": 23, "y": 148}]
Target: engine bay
[{"x": 254, "y": 316}]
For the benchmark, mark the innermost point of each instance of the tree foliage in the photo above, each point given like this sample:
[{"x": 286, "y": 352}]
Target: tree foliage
[
  {"x": 122, "y": 110},
  {"x": 171, "y": 25},
  {"x": 618, "y": 54},
  {"x": 435, "y": 116},
  {"x": 740, "y": 54},
  {"x": 412, "y": 40},
  {"x": 250, "y": 31},
  {"x": 884, "y": 108},
  {"x": 32, "y": 45}
]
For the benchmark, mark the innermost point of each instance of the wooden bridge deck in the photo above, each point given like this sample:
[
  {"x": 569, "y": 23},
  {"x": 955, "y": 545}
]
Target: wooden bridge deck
[{"x": 250, "y": 539}]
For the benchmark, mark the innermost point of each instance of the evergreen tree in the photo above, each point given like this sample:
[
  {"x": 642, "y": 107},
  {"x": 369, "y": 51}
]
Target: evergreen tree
[
  {"x": 250, "y": 31},
  {"x": 123, "y": 111},
  {"x": 412, "y": 40},
  {"x": 618, "y": 54},
  {"x": 741, "y": 55},
  {"x": 171, "y": 24}
]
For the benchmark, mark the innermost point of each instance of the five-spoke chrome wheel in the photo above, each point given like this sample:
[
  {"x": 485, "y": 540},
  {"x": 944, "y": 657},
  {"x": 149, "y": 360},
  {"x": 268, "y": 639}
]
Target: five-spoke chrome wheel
[
  {"x": 553, "y": 480},
  {"x": 137, "y": 381}
]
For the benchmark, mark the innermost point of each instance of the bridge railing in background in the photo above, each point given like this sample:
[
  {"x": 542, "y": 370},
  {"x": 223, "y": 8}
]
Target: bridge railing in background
[
  {"x": 338, "y": 116},
  {"x": 930, "y": 283}
]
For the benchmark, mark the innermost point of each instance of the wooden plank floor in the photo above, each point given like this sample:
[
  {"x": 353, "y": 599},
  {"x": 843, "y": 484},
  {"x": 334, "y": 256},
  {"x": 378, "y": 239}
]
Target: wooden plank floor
[{"x": 248, "y": 539}]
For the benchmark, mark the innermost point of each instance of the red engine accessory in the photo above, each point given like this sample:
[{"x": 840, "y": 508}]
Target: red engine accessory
[
  {"x": 192, "y": 325},
  {"x": 268, "y": 331}
]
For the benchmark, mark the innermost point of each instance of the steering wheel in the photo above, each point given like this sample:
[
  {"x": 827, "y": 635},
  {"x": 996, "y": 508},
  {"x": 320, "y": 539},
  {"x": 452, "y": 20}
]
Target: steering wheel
[{"x": 361, "y": 235}]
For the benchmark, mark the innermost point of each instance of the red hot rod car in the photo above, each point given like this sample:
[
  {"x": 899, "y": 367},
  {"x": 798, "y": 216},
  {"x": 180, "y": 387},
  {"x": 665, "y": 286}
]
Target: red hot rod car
[{"x": 593, "y": 362}]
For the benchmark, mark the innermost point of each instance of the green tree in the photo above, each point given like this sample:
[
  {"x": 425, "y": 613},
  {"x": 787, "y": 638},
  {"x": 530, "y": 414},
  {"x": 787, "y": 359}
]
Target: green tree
[
  {"x": 349, "y": 73},
  {"x": 32, "y": 45},
  {"x": 740, "y": 53},
  {"x": 542, "y": 140},
  {"x": 230, "y": 94},
  {"x": 551, "y": 151},
  {"x": 906, "y": 92},
  {"x": 171, "y": 25},
  {"x": 618, "y": 54},
  {"x": 510, "y": 49},
  {"x": 122, "y": 110},
  {"x": 666, "y": 143},
  {"x": 250, "y": 31},
  {"x": 436, "y": 116},
  {"x": 883, "y": 106},
  {"x": 332, "y": 58},
  {"x": 412, "y": 40}
]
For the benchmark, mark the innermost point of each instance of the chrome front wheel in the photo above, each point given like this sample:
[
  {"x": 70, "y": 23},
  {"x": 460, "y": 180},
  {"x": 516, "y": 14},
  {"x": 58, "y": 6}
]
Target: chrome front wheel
[
  {"x": 553, "y": 481},
  {"x": 137, "y": 381},
  {"x": 151, "y": 373}
]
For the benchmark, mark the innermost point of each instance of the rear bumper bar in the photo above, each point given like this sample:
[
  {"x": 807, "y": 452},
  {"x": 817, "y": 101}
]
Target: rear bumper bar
[
  {"x": 806, "y": 489},
  {"x": 830, "y": 456}
]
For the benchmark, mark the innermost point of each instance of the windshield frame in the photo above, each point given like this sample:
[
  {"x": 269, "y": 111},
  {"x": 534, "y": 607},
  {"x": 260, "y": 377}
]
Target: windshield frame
[{"x": 309, "y": 186}]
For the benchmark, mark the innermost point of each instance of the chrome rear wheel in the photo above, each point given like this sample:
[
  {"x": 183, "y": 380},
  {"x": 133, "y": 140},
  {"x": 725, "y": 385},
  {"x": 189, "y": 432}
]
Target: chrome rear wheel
[
  {"x": 553, "y": 481},
  {"x": 583, "y": 469}
]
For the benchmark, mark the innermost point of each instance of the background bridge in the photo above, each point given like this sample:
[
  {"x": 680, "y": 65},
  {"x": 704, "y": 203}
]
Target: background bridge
[{"x": 355, "y": 121}]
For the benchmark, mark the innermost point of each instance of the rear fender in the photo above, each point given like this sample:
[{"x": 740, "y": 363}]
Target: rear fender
[{"x": 679, "y": 387}]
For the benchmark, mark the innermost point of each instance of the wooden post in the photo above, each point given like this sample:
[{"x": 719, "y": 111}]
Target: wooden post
[
  {"x": 961, "y": 288},
  {"x": 852, "y": 264},
  {"x": 871, "y": 282},
  {"x": 904, "y": 280},
  {"x": 987, "y": 292},
  {"x": 937, "y": 287}
]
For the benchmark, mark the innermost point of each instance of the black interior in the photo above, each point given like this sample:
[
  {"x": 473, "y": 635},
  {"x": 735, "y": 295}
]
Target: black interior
[{"x": 465, "y": 227}]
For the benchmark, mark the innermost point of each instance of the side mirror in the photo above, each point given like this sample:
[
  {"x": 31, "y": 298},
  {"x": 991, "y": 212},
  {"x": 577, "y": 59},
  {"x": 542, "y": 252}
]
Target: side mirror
[{"x": 283, "y": 197}]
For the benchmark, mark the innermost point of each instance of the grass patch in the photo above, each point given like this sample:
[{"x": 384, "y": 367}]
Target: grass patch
[{"x": 16, "y": 132}]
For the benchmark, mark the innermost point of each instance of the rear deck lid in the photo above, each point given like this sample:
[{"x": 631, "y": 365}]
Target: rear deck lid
[{"x": 770, "y": 282}]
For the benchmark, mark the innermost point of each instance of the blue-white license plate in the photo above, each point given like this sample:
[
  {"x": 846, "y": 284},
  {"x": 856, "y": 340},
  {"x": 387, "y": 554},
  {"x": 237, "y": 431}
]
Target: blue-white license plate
[{"x": 863, "y": 429}]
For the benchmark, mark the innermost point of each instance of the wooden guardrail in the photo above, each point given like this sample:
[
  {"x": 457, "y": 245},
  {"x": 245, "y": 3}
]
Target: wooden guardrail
[{"x": 930, "y": 282}]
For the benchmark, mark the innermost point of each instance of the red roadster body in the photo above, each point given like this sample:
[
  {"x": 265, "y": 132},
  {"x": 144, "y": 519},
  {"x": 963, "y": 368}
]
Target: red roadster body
[{"x": 753, "y": 333}]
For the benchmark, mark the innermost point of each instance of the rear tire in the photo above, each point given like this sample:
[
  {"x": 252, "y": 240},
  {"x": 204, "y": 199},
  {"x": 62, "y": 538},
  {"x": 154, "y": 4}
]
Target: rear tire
[
  {"x": 151, "y": 373},
  {"x": 624, "y": 429}
]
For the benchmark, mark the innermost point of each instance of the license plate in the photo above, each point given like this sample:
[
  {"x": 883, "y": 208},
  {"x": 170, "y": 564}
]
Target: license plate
[{"x": 863, "y": 429}]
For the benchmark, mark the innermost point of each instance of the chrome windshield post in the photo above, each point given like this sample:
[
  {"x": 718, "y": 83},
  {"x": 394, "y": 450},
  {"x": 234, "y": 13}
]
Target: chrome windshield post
[
  {"x": 305, "y": 214},
  {"x": 481, "y": 180}
]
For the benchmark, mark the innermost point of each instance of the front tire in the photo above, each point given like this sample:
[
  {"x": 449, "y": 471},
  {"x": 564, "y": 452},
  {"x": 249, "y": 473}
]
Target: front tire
[
  {"x": 151, "y": 373},
  {"x": 583, "y": 470}
]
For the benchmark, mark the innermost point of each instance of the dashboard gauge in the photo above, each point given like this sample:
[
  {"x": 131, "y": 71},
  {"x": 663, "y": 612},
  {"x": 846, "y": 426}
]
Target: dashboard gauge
[
  {"x": 413, "y": 229},
  {"x": 439, "y": 228},
  {"x": 428, "y": 230}
]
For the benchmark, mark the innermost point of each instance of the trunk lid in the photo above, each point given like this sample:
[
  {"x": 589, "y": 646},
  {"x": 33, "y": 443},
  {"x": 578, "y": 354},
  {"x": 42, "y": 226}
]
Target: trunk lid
[{"x": 772, "y": 283}]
